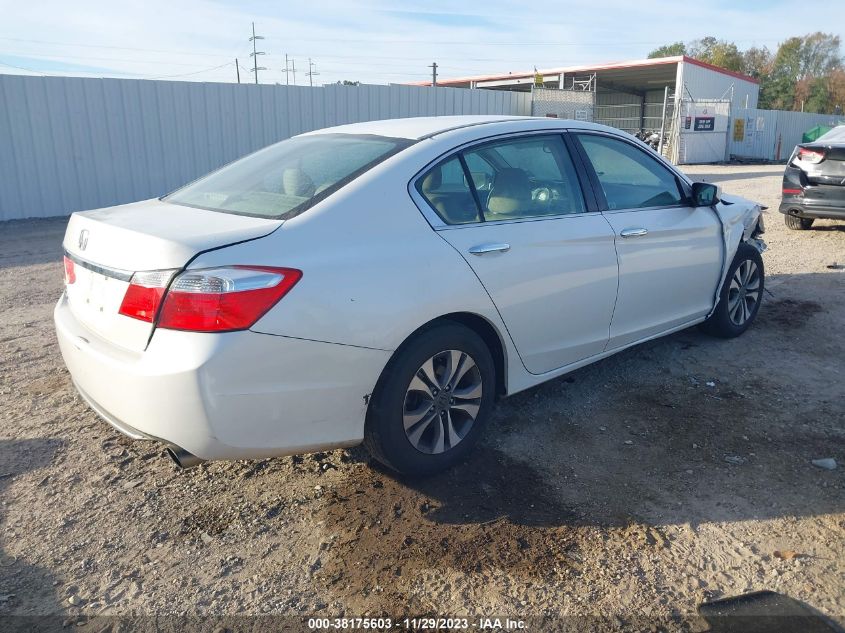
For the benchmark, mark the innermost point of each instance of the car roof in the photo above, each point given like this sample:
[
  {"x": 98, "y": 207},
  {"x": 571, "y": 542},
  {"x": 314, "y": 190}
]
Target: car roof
[{"x": 417, "y": 128}]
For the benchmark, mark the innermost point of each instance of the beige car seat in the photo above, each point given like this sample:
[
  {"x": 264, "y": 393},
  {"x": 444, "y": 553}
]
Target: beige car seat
[{"x": 510, "y": 195}]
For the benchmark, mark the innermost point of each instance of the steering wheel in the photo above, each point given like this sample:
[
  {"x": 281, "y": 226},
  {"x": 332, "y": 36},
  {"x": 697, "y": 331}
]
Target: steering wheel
[{"x": 541, "y": 194}]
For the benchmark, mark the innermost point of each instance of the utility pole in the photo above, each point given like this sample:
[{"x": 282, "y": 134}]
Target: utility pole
[
  {"x": 433, "y": 67},
  {"x": 237, "y": 70},
  {"x": 255, "y": 53},
  {"x": 311, "y": 72},
  {"x": 287, "y": 76},
  {"x": 293, "y": 70},
  {"x": 663, "y": 120}
]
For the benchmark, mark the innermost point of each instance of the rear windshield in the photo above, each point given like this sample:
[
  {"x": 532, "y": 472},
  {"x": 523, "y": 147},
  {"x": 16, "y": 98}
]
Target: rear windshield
[
  {"x": 836, "y": 135},
  {"x": 287, "y": 178}
]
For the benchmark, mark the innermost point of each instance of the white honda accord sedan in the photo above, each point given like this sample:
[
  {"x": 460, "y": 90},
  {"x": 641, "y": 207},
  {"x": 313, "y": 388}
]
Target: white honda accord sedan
[{"x": 384, "y": 282}]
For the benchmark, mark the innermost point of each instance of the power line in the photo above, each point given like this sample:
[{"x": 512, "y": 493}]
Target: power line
[
  {"x": 29, "y": 70},
  {"x": 121, "y": 48},
  {"x": 134, "y": 75},
  {"x": 169, "y": 63},
  {"x": 255, "y": 53},
  {"x": 594, "y": 42},
  {"x": 58, "y": 56},
  {"x": 346, "y": 62},
  {"x": 198, "y": 72}
]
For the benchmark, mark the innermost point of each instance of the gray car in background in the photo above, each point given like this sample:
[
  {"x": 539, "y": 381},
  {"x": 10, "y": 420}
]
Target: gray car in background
[{"x": 814, "y": 181}]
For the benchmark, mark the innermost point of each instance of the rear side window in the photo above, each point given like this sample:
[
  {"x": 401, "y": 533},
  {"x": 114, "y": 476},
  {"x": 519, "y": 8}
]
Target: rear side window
[
  {"x": 446, "y": 189},
  {"x": 835, "y": 135},
  {"x": 285, "y": 179},
  {"x": 525, "y": 177},
  {"x": 533, "y": 176},
  {"x": 630, "y": 178}
]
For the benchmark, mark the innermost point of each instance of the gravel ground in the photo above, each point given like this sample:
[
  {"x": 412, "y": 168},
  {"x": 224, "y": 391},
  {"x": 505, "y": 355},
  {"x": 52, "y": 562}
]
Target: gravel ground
[{"x": 633, "y": 489}]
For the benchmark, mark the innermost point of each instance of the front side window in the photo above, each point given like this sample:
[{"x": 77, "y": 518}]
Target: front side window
[
  {"x": 284, "y": 179},
  {"x": 630, "y": 178},
  {"x": 526, "y": 177}
]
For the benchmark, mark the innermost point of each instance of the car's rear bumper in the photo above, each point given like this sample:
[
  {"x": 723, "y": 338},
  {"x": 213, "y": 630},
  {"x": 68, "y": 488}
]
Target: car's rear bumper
[
  {"x": 813, "y": 209},
  {"x": 805, "y": 199},
  {"x": 236, "y": 395}
]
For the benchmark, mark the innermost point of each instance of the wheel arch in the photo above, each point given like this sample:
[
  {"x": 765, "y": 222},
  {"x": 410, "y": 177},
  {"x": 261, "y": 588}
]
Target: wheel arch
[
  {"x": 492, "y": 339},
  {"x": 743, "y": 227},
  {"x": 482, "y": 327}
]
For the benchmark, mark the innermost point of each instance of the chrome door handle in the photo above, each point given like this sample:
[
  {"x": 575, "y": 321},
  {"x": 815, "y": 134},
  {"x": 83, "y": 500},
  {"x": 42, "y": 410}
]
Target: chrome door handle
[
  {"x": 481, "y": 249},
  {"x": 633, "y": 232}
]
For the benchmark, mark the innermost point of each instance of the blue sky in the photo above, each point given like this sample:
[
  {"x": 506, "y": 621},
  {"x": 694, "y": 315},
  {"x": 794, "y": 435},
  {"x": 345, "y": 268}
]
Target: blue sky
[{"x": 375, "y": 41}]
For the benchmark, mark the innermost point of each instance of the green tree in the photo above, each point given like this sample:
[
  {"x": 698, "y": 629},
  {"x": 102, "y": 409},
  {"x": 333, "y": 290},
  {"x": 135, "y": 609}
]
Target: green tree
[
  {"x": 836, "y": 83},
  {"x": 720, "y": 53},
  {"x": 820, "y": 53},
  {"x": 778, "y": 91},
  {"x": 799, "y": 72},
  {"x": 757, "y": 62},
  {"x": 808, "y": 68},
  {"x": 669, "y": 50}
]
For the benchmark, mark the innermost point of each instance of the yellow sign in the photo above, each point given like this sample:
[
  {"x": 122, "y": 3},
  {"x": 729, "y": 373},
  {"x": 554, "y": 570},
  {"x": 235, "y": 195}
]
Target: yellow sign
[{"x": 739, "y": 129}]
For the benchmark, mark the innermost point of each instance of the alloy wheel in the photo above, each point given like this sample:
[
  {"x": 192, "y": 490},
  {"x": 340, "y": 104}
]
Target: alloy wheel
[
  {"x": 442, "y": 402},
  {"x": 744, "y": 292}
]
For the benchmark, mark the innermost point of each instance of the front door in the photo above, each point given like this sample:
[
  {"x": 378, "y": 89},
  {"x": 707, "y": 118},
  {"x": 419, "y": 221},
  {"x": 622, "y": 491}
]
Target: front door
[{"x": 670, "y": 253}]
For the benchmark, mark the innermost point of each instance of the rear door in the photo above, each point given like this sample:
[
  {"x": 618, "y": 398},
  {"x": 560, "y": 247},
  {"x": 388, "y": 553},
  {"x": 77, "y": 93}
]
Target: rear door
[
  {"x": 516, "y": 212},
  {"x": 670, "y": 253}
]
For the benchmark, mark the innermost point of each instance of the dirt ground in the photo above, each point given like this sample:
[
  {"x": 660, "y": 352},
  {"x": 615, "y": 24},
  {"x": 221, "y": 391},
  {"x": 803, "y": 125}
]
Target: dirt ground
[{"x": 633, "y": 489}]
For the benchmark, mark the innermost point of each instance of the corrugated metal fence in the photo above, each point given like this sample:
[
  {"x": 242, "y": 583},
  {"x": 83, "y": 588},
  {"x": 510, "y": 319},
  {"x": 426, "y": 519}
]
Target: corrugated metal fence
[
  {"x": 771, "y": 134},
  {"x": 71, "y": 143}
]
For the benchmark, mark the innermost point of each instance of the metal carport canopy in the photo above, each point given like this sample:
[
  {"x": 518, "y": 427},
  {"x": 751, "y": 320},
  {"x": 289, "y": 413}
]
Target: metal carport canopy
[
  {"x": 638, "y": 79},
  {"x": 637, "y": 75}
]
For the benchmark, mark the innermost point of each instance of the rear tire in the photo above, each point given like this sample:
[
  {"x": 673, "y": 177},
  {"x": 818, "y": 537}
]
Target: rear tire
[
  {"x": 740, "y": 297},
  {"x": 432, "y": 401},
  {"x": 797, "y": 224}
]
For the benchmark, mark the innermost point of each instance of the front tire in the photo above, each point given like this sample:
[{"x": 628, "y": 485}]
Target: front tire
[
  {"x": 797, "y": 224},
  {"x": 740, "y": 297},
  {"x": 432, "y": 401}
]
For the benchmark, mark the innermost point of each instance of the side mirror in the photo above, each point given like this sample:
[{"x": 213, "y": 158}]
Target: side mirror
[{"x": 705, "y": 195}]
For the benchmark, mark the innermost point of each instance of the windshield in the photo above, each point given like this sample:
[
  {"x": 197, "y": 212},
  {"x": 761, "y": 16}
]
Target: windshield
[{"x": 287, "y": 178}]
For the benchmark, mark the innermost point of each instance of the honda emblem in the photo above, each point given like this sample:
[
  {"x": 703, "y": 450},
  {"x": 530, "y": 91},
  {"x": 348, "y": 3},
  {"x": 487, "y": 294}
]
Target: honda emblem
[{"x": 83, "y": 239}]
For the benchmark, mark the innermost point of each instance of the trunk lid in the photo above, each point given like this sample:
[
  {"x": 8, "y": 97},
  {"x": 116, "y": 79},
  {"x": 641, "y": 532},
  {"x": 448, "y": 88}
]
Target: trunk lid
[
  {"x": 109, "y": 245},
  {"x": 831, "y": 171}
]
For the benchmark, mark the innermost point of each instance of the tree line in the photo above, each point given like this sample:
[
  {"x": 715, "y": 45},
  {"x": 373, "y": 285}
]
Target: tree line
[{"x": 805, "y": 72}]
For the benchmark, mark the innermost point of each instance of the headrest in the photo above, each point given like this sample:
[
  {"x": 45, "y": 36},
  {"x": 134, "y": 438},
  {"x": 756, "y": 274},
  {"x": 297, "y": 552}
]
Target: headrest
[
  {"x": 296, "y": 182},
  {"x": 512, "y": 182},
  {"x": 511, "y": 190},
  {"x": 432, "y": 180}
]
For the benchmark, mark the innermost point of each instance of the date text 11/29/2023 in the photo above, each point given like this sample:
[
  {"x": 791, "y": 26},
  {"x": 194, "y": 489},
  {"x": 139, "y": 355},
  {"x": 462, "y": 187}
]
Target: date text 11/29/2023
[{"x": 417, "y": 624}]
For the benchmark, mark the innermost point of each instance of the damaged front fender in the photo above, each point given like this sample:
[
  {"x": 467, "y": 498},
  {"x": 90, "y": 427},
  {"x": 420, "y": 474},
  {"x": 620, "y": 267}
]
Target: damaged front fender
[{"x": 742, "y": 221}]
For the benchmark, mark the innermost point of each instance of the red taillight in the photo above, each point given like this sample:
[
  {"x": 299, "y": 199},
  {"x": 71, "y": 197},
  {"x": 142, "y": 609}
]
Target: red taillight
[
  {"x": 70, "y": 271},
  {"x": 792, "y": 192},
  {"x": 812, "y": 156},
  {"x": 143, "y": 296},
  {"x": 224, "y": 299}
]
